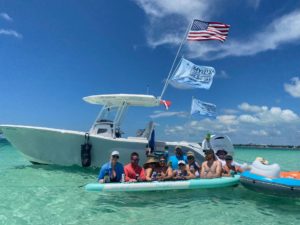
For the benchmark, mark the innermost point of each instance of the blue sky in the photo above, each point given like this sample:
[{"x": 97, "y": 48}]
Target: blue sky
[{"x": 53, "y": 53}]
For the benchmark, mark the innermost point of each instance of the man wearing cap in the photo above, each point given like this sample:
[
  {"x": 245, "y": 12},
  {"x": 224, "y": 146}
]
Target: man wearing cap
[
  {"x": 178, "y": 156},
  {"x": 229, "y": 169},
  {"x": 133, "y": 172},
  {"x": 112, "y": 170}
]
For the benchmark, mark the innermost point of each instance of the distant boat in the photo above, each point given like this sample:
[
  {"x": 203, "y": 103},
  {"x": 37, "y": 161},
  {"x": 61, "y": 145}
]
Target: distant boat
[{"x": 63, "y": 147}]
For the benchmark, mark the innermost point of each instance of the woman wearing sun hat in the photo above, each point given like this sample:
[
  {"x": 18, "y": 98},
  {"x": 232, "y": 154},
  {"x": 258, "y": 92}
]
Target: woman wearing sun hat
[{"x": 150, "y": 167}]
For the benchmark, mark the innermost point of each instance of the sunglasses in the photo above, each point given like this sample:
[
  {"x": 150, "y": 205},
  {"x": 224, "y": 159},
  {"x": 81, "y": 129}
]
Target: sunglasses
[
  {"x": 115, "y": 156},
  {"x": 190, "y": 157},
  {"x": 162, "y": 161},
  {"x": 181, "y": 164}
]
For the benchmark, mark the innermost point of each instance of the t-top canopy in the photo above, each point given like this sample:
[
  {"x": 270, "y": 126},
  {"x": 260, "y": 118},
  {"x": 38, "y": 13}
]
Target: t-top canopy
[{"x": 119, "y": 99}]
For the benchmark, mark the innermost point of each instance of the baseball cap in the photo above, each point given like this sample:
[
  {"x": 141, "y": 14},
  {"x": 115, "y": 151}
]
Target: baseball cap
[
  {"x": 220, "y": 151},
  {"x": 115, "y": 153},
  {"x": 178, "y": 148},
  {"x": 208, "y": 151},
  {"x": 228, "y": 157},
  {"x": 181, "y": 162},
  {"x": 190, "y": 153}
]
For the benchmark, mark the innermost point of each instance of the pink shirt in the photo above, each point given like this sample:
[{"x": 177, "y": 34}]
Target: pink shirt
[{"x": 130, "y": 172}]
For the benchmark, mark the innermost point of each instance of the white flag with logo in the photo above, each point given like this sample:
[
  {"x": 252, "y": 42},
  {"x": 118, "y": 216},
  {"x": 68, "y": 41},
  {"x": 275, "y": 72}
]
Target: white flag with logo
[
  {"x": 203, "y": 108},
  {"x": 189, "y": 75}
]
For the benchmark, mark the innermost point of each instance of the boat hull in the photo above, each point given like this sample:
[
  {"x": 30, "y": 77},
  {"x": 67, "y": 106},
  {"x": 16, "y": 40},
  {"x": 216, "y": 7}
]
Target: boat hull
[
  {"x": 63, "y": 147},
  {"x": 164, "y": 185}
]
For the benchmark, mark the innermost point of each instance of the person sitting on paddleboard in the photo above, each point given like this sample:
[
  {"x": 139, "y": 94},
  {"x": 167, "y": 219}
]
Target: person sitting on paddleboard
[
  {"x": 211, "y": 167},
  {"x": 178, "y": 156},
  {"x": 229, "y": 169},
  {"x": 193, "y": 166},
  {"x": 151, "y": 168},
  {"x": 183, "y": 172},
  {"x": 221, "y": 154},
  {"x": 111, "y": 171},
  {"x": 134, "y": 172},
  {"x": 164, "y": 171}
]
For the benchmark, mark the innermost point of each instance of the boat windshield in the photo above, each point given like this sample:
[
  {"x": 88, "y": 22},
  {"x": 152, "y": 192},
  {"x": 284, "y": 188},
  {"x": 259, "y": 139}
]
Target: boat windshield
[
  {"x": 109, "y": 120},
  {"x": 107, "y": 114}
]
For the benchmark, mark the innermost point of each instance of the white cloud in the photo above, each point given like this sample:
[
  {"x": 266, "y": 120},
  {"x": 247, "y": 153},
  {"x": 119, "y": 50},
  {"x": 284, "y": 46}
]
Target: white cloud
[
  {"x": 259, "y": 132},
  {"x": 186, "y": 8},
  {"x": 167, "y": 39},
  {"x": 159, "y": 114},
  {"x": 293, "y": 88},
  {"x": 10, "y": 33},
  {"x": 169, "y": 19},
  {"x": 227, "y": 119},
  {"x": 230, "y": 111},
  {"x": 6, "y": 17},
  {"x": 222, "y": 75},
  {"x": 261, "y": 124},
  {"x": 252, "y": 108},
  {"x": 254, "y": 3},
  {"x": 286, "y": 114},
  {"x": 266, "y": 133},
  {"x": 248, "y": 119},
  {"x": 262, "y": 114}
]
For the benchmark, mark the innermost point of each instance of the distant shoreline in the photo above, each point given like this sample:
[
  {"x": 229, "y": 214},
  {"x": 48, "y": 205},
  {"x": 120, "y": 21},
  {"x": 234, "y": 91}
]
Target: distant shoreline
[{"x": 287, "y": 147}]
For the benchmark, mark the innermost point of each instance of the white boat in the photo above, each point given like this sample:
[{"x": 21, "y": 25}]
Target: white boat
[{"x": 63, "y": 147}]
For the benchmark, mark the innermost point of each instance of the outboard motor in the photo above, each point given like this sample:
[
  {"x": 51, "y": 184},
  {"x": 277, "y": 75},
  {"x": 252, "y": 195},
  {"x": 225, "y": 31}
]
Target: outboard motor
[{"x": 86, "y": 152}]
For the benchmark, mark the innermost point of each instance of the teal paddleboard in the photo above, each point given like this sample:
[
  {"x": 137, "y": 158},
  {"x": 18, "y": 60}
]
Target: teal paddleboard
[{"x": 164, "y": 185}]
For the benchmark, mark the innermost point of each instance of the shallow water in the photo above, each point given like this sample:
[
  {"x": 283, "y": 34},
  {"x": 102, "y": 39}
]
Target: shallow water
[{"x": 35, "y": 194}]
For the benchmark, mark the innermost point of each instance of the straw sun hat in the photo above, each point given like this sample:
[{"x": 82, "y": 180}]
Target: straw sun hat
[{"x": 150, "y": 160}]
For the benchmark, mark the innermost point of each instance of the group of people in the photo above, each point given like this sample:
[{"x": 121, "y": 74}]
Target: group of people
[{"x": 180, "y": 166}]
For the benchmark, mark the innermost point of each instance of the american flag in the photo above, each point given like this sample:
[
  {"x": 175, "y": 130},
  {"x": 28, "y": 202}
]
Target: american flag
[{"x": 202, "y": 31}]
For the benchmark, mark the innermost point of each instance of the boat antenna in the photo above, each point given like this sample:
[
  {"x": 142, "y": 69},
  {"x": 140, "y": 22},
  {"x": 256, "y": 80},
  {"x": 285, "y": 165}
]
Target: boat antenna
[{"x": 171, "y": 70}]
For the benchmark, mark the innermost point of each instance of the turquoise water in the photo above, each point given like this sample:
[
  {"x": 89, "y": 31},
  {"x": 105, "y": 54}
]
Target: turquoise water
[{"x": 37, "y": 195}]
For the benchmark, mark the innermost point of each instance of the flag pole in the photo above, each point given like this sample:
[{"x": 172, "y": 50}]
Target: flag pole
[{"x": 171, "y": 70}]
